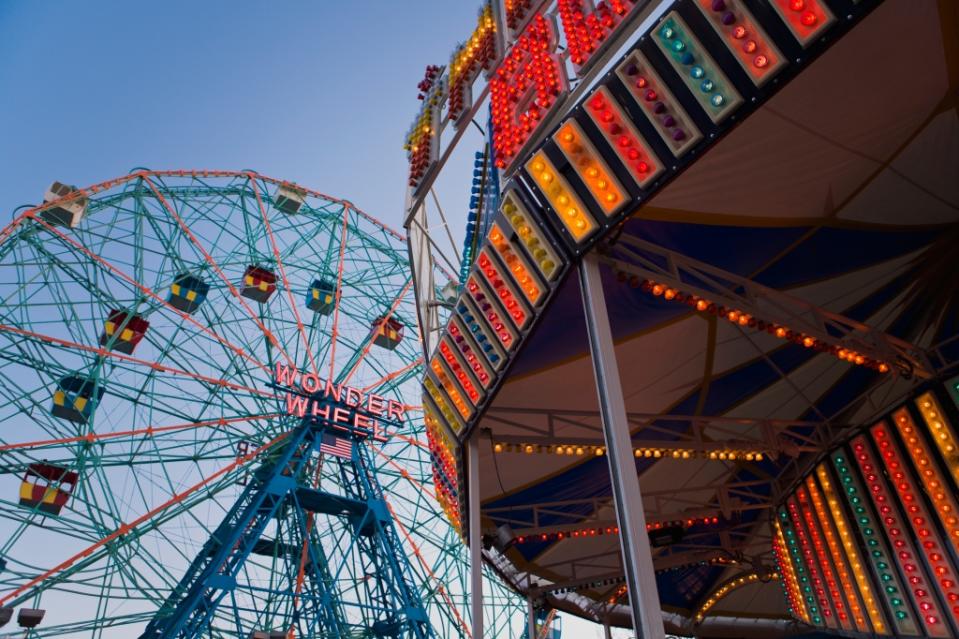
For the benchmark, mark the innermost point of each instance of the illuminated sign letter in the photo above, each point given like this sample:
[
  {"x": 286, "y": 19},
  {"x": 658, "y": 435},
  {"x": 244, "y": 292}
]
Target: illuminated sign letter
[
  {"x": 586, "y": 26},
  {"x": 524, "y": 88}
]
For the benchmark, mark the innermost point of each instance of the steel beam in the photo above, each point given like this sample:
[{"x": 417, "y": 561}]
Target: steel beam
[
  {"x": 475, "y": 538},
  {"x": 634, "y": 542},
  {"x": 650, "y": 261}
]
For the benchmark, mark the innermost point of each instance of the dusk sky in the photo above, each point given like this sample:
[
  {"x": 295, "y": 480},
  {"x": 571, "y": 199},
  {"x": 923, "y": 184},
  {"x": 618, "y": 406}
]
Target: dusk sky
[{"x": 319, "y": 92}]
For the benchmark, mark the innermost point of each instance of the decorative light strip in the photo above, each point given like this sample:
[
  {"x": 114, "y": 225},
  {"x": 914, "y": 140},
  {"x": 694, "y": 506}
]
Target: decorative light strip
[
  {"x": 485, "y": 337},
  {"x": 477, "y": 53},
  {"x": 465, "y": 409},
  {"x": 852, "y": 553},
  {"x": 517, "y": 265},
  {"x": 803, "y": 576},
  {"x": 742, "y": 35},
  {"x": 943, "y": 572},
  {"x": 564, "y": 201},
  {"x": 452, "y": 419},
  {"x": 936, "y": 486},
  {"x": 942, "y": 431},
  {"x": 745, "y": 320},
  {"x": 531, "y": 237},
  {"x": 457, "y": 367},
  {"x": 879, "y": 553},
  {"x": 620, "y": 133},
  {"x": 667, "y": 115},
  {"x": 643, "y": 451},
  {"x": 906, "y": 554},
  {"x": 790, "y": 582},
  {"x": 824, "y": 565},
  {"x": 516, "y": 309},
  {"x": 708, "y": 84},
  {"x": 589, "y": 165},
  {"x": 728, "y": 587},
  {"x": 598, "y": 531},
  {"x": 807, "y": 19},
  {"x": 445, "y": 467},
  {"x": 812, "y": 565},
  {"x": 465, "y": 344},
  {"x": 838, "y": 559},
  {"x": 483, "y": 299}
]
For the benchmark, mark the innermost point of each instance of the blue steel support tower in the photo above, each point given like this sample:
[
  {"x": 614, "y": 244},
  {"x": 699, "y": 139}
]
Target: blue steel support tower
[{"x": 292, "y": 493}]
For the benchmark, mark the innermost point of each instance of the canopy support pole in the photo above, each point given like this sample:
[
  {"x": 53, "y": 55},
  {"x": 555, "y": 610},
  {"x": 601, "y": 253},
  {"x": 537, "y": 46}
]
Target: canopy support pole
[
  {"x": 475, "y": 538},
  {"x": 633, "y": 539},
  {"x": 606, "y": 631},
  {"x": 530, "y": 618}
]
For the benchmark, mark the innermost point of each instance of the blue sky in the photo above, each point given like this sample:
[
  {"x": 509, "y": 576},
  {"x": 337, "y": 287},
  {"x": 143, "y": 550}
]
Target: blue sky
[{"x": 320, "y": 92}]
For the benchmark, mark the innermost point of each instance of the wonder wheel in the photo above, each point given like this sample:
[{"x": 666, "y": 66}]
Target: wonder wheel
[{"x": 142, "y": 322}]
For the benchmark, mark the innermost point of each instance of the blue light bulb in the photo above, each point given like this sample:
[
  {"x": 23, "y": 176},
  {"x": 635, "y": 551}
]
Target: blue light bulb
[
  {"x": 697, "y": 72},
  {"x": 668, "y": 33},
  {"x": 718, "y": 100},
  {"x": 707, "y": 86}
]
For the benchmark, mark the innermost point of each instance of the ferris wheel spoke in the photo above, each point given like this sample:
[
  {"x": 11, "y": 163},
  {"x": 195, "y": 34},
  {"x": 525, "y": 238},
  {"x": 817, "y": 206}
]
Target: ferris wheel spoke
[
  {"x": 216, "y": 268},
  {"x": 104, "y": 353},
  {"x": 334, "y": 332},
  {"x": 146, "y": 432},
  {"x": 369, "y": 340},
  {"x": 85, "y": 556},
  {"x": 149, "y": 292},
  {"x": 412, "y": 367},
  {"x": 285, "y": 280}
]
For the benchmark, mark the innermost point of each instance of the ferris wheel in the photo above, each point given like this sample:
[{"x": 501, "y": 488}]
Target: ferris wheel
[{"x": 144, "y": 428}]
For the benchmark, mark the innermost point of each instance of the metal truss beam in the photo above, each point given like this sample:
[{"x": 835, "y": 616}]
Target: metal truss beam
[{"x": 647, "y": 260}]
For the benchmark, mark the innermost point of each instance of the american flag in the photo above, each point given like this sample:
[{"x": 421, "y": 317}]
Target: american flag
[{"x": 336, "y": 446}]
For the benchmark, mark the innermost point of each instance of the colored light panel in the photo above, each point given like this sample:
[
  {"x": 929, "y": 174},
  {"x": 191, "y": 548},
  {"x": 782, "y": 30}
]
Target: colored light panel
[
  {"x": 446, "y": 382},
  {"x": 790, "y": 579},
  {"x": 589, "y": 165},
  {"x": 620, "y": 133},
  {"x": 484, "y": 302},
  {"x": 663, "y": 110},
  {"x": 452, "y": 419},
  {"x": 823, "y": 564},
  {"x": 807, "y": 19},
  {"x": 941, "y": 430},
  {"x": 532, "y": 238},
  {"x": 516, "y": 310},
  {"x": 517, "y": 265},
  {"x": 470, "y": 352},
  {"x": 458, "y": 367},
  {"x": 802, "y": 573},
  {"x": 850, "y": 550},
  {"x": 708, "y": 84},
  {"x": 936, "y": 486},
  {"x": 878, "y": 552},
  {"x": 482, "y": 334},
  {"x": 748, "y": 42},
  {"x": 838, "y": 559},
  {"x": 943, "y": 571},
  {"x": 564, "y": 201},
  {"x": 905, "y": 552},
  {"x": 444, "y": 464}
]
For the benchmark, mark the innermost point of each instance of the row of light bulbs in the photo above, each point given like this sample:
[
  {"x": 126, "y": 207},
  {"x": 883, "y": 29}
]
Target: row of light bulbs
[{"x": 576, "y": 450}]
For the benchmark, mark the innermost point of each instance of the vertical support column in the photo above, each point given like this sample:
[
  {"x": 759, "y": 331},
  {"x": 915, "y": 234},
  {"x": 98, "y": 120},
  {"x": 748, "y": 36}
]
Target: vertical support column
[
  {"x": 606, "y": 631},
  {"x": 633, "y": 539},
  {"x": 530, "y": 618},
  {"x": 475, "y": 537}
]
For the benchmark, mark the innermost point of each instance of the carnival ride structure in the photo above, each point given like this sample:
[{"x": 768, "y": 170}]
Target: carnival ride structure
[{"x": 207, "y": 421}]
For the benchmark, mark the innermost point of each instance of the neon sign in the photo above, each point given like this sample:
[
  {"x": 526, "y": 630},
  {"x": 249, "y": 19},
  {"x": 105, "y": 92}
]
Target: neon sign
[{"x": 342, "y": 407}]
